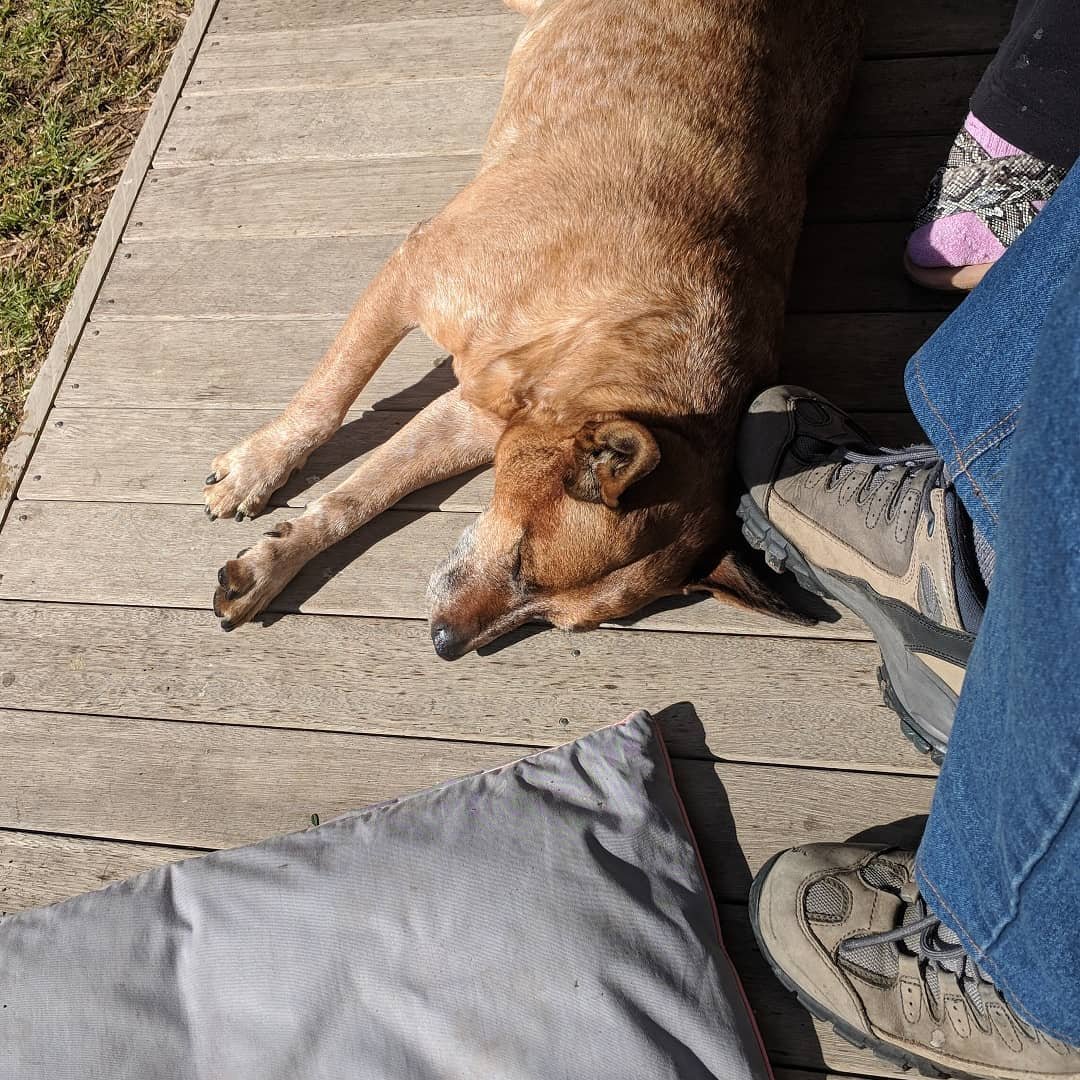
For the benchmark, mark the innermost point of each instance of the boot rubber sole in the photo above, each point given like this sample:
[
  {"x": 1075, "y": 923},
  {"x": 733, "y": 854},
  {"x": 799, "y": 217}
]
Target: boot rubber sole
[{"x": 924, "y": 704}]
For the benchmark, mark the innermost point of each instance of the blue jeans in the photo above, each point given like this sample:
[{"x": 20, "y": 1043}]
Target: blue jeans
[{"x": 997, "y": 390}]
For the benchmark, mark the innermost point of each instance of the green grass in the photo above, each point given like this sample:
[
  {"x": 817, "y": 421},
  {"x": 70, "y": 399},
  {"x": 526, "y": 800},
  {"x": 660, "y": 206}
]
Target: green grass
[{"x": 76, "y": 77}]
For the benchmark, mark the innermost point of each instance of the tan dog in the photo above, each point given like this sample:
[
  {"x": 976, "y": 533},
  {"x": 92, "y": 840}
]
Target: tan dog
[{"x": 611, "y": 286}]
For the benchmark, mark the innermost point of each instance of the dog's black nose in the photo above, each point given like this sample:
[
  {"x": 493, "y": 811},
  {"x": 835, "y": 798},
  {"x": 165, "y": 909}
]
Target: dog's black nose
[{"x": 446, "y": 643}]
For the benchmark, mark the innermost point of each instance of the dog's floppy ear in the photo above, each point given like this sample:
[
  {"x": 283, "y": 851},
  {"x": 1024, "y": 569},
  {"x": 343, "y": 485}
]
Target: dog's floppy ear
[
  {"x": 608, "y": 456},
  {"x": 735, "y": 581}
]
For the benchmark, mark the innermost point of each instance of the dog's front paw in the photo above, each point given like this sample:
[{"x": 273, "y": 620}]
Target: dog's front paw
[
  {"x": 242, "y": 480},
  {"x": 248, "y": 583}
]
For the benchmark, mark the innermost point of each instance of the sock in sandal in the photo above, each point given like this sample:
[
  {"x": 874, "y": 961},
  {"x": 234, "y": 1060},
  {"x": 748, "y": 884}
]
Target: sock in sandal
[{"x": 982, "y": 198}]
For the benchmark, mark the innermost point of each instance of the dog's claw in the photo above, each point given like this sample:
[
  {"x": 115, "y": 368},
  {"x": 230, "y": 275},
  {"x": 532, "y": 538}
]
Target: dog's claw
[
  {"x": 212, "y": 479},
  {"x": 239, "y": 515},
  {"x": 242, "y": 553}
]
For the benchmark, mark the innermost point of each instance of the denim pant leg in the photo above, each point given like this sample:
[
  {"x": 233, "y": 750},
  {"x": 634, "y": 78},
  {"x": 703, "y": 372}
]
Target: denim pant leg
[
  {"x": 1000, "y": 860},
  {"x": 966, "y": 383}
]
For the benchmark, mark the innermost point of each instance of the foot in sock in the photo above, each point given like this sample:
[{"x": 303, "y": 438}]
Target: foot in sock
[
  {"x": 982, "y": 198},
  {"x": 844, "y": 926},
  {"x": 879, "y": 531}
]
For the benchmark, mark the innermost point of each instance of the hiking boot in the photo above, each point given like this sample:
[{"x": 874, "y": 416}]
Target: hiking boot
[
  {"x": 844, "y": 927},
  {"x": 881, "y": 532}
]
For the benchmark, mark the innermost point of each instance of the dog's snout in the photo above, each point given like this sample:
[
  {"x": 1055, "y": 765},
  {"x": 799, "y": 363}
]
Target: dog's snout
[{"x": 447, "y": 644}]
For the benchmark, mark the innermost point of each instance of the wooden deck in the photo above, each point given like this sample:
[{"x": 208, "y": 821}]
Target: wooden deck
[{"x": 307, "y": 138}]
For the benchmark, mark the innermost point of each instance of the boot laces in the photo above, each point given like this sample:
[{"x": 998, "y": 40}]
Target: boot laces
[
  {"x": 911, "y": 459},
  {"x": 938, "y": 949}
]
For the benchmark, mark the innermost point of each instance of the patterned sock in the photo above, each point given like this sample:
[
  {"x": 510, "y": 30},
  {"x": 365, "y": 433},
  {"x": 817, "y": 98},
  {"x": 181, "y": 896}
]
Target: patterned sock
[{"x": 982, "y": 198}]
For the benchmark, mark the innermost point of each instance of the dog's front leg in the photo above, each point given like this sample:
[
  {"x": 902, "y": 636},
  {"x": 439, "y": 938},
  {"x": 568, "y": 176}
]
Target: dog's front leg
[
  {"x": 242, "y": 480},
  {"x": 447, "y": 438}
]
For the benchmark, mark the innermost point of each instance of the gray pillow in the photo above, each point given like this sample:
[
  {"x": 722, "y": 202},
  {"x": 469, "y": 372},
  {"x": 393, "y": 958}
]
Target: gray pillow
[{"x": 548, "y": 919}]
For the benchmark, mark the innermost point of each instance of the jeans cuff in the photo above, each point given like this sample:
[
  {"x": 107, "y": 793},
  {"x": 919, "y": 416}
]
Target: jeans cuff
[{"x": 973, "y": 463}]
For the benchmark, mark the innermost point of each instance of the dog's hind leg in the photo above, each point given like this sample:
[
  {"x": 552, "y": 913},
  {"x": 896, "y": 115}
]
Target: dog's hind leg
[
  {"x": 243, "y": 479},
  {"x": 447, "y": 438}
]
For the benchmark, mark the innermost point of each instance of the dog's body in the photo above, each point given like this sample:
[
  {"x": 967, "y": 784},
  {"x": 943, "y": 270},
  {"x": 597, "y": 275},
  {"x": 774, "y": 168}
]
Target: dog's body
[{"x": 611, "y": 286}]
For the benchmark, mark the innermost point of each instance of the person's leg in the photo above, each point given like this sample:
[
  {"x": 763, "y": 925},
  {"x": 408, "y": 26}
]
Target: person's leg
[
  {"x": 1000, "y": 861},
  {"x": 965, "y": 958},
  {"x": 965, "y": 385},
  {"x": 1020, "y": 137},
  {"x": 1030, "y": 92},
  {"x": 890, "y": 535}
]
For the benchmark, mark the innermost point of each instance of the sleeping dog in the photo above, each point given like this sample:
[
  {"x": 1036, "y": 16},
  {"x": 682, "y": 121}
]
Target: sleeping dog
[{"x": 611, "y": 287}]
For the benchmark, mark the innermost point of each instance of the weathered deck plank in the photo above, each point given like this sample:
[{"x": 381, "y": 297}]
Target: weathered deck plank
[
  {"x": 838, "y": 267},
  {"x": 38, "y": 868},
  {"x": 260, "y": 15},
  {"x": 858, "y": 180},
  {"x": 161, "y": 456},
  {"x": 299, "y": 277},
  {"x": 855, "y": 267},
  {"x": 205, "y": 363},
  {"x": 891, "y": 97},
  {"x": 755, "y": 698},
  {"x": 41, "y": 868},
  {"x": 235, "y": 785},
  {"x": 310, "y": 198},
  {"x": 857, "y": 360},
  {"x": 371, "y": 54},
  {"x": 923, "y": 27},
  {"x": 893, "y": 28},
  {"x": 167, "y": 556},
  {"x": 405, "y": 119},
  {"x": 874, "y": 179},
  {"x": 912, "y": 96}
]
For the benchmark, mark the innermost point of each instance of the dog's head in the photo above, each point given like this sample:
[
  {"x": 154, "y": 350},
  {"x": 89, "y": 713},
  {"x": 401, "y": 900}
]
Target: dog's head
[{"x": 590, "y": 522}]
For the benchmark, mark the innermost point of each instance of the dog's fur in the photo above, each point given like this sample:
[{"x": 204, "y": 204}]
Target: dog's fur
[{"x": 611, "y": 286}]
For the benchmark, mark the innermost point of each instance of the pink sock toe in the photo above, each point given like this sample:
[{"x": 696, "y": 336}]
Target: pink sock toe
[{"x": 956, "y": 240}]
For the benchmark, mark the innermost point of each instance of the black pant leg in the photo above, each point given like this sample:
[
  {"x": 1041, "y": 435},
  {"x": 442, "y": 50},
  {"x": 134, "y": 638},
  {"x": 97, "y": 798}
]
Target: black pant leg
[{"x": 1030, "y": 93}]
